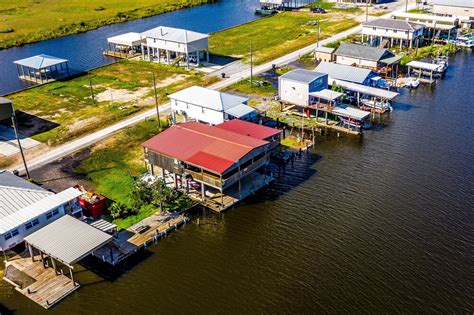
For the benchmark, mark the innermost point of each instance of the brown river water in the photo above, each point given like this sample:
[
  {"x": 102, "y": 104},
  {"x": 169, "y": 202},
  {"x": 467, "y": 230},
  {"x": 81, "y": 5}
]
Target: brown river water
[{"x": 382, "y": 224}]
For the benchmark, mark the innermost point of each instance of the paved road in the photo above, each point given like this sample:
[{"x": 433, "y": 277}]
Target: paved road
[{"x": 83, "y": 142}]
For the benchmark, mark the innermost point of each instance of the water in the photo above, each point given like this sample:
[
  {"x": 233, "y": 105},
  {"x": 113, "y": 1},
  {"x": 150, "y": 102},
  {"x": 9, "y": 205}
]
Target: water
[
  {"x": 84, "y": 51},
  {"x": 378, "y": 225}
]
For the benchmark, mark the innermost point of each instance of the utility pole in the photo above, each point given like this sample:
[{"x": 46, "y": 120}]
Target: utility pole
[
  {"x": 15, "y": 127},
  {"x": 90, "y": 85},
  {"x": 156, "y": 101},
  {"x": 366, "y": 10},
  {"x": 406, "y": 5},
  {"x": 319, "y": 31},
  {"x": 251, "y": 65}
]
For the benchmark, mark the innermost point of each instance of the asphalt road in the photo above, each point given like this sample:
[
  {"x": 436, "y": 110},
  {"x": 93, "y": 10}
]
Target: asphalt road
[{"x": 83, "y": 142}]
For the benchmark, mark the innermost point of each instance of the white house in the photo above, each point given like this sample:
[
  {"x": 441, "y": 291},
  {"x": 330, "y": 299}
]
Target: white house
[
  {"x": 209, "y": 106},
  {"x": 392, "y": 32},
  {"x": 171, "y": 45},
  {"x": 458, "y": 8},
  {"x": 282, "y": 4},
  {"x": 26, "y": 207},
  {"x": 295, "y": 86}
]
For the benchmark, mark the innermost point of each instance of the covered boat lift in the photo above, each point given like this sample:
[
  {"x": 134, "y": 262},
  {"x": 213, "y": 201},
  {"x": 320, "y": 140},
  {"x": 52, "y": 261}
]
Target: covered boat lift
[
  {"x": 41, "y": 68},
  {"x": 378, "y": 99},
  {"x": 62, "y": 243},
  {"x": 124, "y": 46},
  {"x": 284, "y": 4},
  {"x": 328, "y": 101},
  {"x": 426, "y": 71}
]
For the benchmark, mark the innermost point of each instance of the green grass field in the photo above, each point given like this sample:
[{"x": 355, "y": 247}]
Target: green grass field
[
  {"x": 264, "y": 90},
  {"x": 120, "y": 90},
  {"x": 276, "y": 35},
  {"x": 27, "y": 21}
]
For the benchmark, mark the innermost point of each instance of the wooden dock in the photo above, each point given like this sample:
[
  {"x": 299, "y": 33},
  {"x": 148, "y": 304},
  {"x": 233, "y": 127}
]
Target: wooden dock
[
  {"x": 120, "y": 55},
  {"x": 138, "y": 236},
  {"x": 218, "y": 203},
  {"x": 39, "y": 284}
]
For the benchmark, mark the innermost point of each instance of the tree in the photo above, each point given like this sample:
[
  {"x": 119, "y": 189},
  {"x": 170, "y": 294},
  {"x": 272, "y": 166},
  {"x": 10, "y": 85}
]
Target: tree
[
  {"x": 161, "y": 194},
  {"x": 141, "y": 194}
]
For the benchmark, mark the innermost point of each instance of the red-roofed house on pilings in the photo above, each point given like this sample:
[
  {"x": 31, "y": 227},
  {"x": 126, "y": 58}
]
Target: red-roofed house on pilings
[{"x": 227, "y": 161}]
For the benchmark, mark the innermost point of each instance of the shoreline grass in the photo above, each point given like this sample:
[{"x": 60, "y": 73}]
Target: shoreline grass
[{"x": 23, "y": 22}]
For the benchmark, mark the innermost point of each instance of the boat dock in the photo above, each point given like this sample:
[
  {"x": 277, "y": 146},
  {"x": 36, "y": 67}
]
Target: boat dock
[
  {"x": 41, "y": 285},
  {"x": 138, "y": 236}
]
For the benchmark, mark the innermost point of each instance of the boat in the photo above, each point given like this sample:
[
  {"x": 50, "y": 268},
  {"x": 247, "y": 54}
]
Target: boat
[
  {"x": 465, "y": 44},
  {"x": 442, "y": 62},
  {"x": 265, "y": 11},
  {"x": 282, "y": 156},
  {"x": 414, "y": 84},
  {"x": 366, "y": 103}
]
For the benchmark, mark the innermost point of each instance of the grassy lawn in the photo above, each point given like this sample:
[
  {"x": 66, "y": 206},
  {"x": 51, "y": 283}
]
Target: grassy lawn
[
  {"x": 277, "y": 35},
  {"x": 263, "y": 90},
  {"x": 26, "y": 21},
  {"x": 419, "y": 11},
  {"x": 331, "y": 6},
  {"x": 120, "y": 90},
  {"x": 112, "y": 165}
]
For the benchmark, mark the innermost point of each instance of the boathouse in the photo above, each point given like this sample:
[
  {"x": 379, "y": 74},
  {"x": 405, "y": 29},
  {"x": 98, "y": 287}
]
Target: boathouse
[
  {"x": 42, "y": 68},
  {"x": 425, "y": 71},
  {"x": 296, "y": 85},
  {"x": 226, "y": 165},
  {"x": 349, "y": 73},
  {"x": 209, "y": 106},
  {"x": 26, "y": 207},
  {"x": 174, "y": 45},
  {"x": 124, "y": 46},
  {"x": 378, "y": 59},
  {"x": 391, "y": 32},
  {"x": 47, "y": 275}
]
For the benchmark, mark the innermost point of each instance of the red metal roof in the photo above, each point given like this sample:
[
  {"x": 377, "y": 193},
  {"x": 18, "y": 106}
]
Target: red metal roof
[
  {"x": 209, "y": 147},
  {"x": 249, "y": 129}
]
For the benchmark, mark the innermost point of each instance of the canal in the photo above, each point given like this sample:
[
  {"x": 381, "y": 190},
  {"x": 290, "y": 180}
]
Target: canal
[
  {"x": 382, "y": 224},
  {"x": 84, "y": 51}
]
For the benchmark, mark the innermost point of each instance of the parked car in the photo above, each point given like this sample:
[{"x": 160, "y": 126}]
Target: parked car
[{"x": 318, "y": 10}]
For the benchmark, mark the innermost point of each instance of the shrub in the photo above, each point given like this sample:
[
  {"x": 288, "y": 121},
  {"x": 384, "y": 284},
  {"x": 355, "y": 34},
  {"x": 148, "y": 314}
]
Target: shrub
[{"x": 120, "y": 210}]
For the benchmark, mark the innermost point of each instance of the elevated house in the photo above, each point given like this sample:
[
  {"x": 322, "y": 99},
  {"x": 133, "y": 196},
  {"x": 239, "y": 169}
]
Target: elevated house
[
  {"x": 347, "y": 73},
  {"x": 296, "y": 85},
  {"x": 226, "y": 161},
  {"x": 209, "y": 106},
  {"x": 434, "y": 26},
  {"x": 308, "y": 90},
  {"x": 173, "y": 45},
  {"x": 391, "y": 32},
  {"x": 378, "y": 59},
  {"x": 458, "y": 8},
  {"x": 26, "y": 207}
]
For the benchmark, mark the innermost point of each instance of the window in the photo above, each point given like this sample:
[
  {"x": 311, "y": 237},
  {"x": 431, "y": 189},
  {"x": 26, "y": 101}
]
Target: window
[
  {"x": 11, "y": 234},
  {"x": 32, "y": 223},
  {"x": 395, "y": 31},
  {"x": 374, "y": 28},
  {"x": 51, "y": 214}
]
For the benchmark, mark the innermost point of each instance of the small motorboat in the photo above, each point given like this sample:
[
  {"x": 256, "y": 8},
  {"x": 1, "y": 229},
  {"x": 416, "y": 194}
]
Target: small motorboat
[{"x": 413, "y": 84}]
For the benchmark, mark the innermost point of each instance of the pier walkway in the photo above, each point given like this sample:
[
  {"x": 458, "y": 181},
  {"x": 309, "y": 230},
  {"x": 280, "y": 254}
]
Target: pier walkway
[{"x": 39, "y": 284}]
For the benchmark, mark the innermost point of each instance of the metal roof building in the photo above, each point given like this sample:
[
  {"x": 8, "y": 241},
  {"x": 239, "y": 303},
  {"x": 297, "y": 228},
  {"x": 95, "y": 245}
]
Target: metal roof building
[
  {"x": 44, "y": 67},
  {"x": 346, "y": 73},
  {"x": 209, "y": 106},
  {"x": 172, "y": 34},
  {"x": 209, "y": 147},
  {"x": 302, "y": 75},
  {"x": 393, "y": 24},
  {"x": 68, "y": 239},
  {"x": 249, "y": 129},
  {"x": 363, "y": 52}
]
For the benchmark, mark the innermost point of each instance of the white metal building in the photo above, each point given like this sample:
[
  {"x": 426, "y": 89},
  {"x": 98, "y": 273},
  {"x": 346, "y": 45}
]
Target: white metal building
[
  {"x": 209, "y": 106},
  {"x": 26, "y": 207},
  {"x": 295, "y": 86},
  {"x": 458, "y": 8},
  {"x": 391, "y": 32},
  {"x": 172, "y": 45}
]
